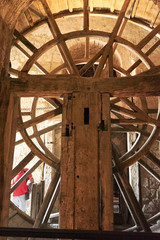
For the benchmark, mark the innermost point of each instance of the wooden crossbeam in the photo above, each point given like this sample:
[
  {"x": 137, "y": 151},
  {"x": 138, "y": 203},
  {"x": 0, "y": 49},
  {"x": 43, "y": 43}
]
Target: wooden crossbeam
[{"x": 49, "y": 86}]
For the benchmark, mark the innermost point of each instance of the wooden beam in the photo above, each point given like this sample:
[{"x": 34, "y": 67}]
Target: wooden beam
[
  {"x": 47, "y": 200},
  {"x": 85, "y": 15},
  {"x": 22, "y": 164},
  {"x": 29, "y": 17},
  {"x": 25, "y": 176},
  {"x": 153, "y": 158},
  {"x": 105, "y": 166},
  {"x": 53, "y": 162},
  {"x": 52, "y": 202},
  {"x": 8, "y": 120},
  {"x": 62, "y": 45},
  {"x": 47, "y": 86},
  {"x": 25, "y": 41},
  {"x": 111, "y": 39},
  {"x": 39, "y": 119},
  {"x": 16, "y": 72},
  {"x": 127, "y": 191},
  {"x": 150, "y": 170},
  {"x": 67, "y": 204},
  {"x": 39, "y": 133}
]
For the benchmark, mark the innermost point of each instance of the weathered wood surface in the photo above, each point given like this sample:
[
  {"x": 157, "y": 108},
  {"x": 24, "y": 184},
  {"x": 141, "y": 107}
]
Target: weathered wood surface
[
  {"x": 67, "y": 204},
  {"x": 47, "y": 199},
  {"x": 120, "y": 87},
  {"x": 86, "y": 160},
  {"x": 105, "y": 166},
  {"x": 10, "y": 108},
  {"x": 108, "y": 47}
]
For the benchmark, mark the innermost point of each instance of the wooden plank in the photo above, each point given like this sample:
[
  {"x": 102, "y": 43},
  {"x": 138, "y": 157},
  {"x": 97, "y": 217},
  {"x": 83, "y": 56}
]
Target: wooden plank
[
  {"x": 86, "y": 119},
  {"x": 105, "y": 166},
  {"x": 49, "y": 86},
  {"x": 8, "y": 120},
  {"x": 67, "y": 204}
]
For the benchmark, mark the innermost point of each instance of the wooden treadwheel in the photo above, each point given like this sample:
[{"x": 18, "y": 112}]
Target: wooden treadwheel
[{"x": 136, "y": 115}]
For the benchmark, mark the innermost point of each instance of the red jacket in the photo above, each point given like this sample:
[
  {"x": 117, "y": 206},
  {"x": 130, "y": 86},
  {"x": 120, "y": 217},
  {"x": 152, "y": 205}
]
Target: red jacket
[{"x": 22, "y": 189}]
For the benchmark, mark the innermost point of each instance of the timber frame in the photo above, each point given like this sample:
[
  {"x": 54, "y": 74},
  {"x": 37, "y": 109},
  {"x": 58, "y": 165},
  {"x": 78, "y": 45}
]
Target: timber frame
[{"x": 52, "y": 86}]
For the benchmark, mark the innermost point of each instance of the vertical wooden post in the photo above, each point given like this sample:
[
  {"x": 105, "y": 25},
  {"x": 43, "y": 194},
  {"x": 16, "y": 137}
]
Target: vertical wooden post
[
  {"x": 67, "y": 166},
  {"x": 105, "y": 166},
  {"x": 86, "y": 118},
  {"x": 83, "y": 146},
  {"x": 8, "y": 112}
]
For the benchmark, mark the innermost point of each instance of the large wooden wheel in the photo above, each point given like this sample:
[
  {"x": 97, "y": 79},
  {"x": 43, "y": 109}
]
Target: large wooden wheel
[{"x": 128, "y": 114}]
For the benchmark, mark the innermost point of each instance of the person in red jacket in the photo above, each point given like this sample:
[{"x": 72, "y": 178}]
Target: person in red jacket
[{"x": 19, "y": 193}]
